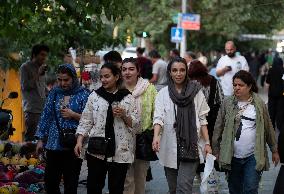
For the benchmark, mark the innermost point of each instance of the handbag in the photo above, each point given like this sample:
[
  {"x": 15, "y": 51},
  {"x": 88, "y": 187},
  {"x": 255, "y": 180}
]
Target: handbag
[
  {"x": 67, "y": 138},
  {"x": 98, "y": 145},
  {"x": 144, "y": 149},
  {"x": 183, "y": 154}
]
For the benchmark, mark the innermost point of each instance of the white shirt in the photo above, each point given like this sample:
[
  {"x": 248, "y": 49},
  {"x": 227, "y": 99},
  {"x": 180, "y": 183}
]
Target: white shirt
[
  {"x": 164, "y": 115},
  {"x": 93, "y": 120},
  {"x": 160, "y": 68},
  {"x": 237, "y": 63},
  {"x": 244, "y": 147}
]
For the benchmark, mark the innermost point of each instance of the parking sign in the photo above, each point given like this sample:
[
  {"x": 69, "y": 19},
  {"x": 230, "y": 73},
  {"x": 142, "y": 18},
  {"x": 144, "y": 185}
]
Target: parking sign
[{"x": 176, "y": 34}]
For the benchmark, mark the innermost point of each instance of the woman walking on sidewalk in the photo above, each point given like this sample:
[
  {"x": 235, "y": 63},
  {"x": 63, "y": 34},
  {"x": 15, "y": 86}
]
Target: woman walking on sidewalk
[
  {"x": 242, "y": 129},
  {"x": 110, "y": 120},
  {"x": 144, "y": 94},
  {"x": 62, "y": 111},
  {"x": 180, "y": 132}
]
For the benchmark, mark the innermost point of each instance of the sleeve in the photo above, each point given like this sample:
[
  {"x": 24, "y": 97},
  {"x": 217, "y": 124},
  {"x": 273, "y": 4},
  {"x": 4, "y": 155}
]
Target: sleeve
[
  {"x": 245, "y": 64},
  {"x": 219, "y": 93},
  {"x": 84, "y": 100},
  {"x": 219, "y": 64},
  {"x": 269, "y": 131},
  {"x": 27, "y": 82},
  {"x": 46, "y": 117},
  {"x": 86, "y": 122},
  {"x": 218, "y": 129},
  {"x": 133, "y": 113},
  {"x": 204, "y": 108},
  {"x": 156, "y": 68},
  {"x": 159, "y": 113}
]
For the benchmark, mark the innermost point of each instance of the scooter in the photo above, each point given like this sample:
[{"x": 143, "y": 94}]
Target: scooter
[{"x": 6, "y": 118}]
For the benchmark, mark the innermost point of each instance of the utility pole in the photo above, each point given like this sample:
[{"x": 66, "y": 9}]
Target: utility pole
[{"x": 183, "y": 42}]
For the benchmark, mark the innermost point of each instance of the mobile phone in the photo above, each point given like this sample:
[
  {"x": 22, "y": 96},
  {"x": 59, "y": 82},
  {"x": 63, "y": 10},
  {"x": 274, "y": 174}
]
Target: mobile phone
[{"x": 229, "y": 68}]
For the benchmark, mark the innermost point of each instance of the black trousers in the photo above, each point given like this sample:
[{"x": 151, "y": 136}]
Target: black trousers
[
  {"x": 276, "y": 111},
  {"x": 97, "y": 170},
  {"x": 60, "y": 163},
  {"x": 31, "y": 122}
]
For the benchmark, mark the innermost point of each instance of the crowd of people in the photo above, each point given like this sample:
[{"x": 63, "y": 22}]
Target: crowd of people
[{"x": 122, "y": 114}]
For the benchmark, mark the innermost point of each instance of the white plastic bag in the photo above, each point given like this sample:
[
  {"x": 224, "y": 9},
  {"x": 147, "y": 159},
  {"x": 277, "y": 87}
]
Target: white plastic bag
[{"x": 209, "y": 183}]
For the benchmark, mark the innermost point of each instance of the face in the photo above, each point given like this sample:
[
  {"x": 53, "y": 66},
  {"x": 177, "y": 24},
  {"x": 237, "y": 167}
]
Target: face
[
  {"x": 108, "y": 79},
  {"x": 241, "y": 89},
  {"x": 41, "y": 57},
  {"x": 230, "y": 49},
  {"x": 178, "y": 72},
  {"x": 64, "y": 81},
  {"x": 129, "y": 73}
]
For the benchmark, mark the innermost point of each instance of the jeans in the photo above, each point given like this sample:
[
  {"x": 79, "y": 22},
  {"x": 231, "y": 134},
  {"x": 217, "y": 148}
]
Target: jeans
[
  {"x": 97, "y": 170},
  {"x": 180, "y": 181},
  {"x": 60, "y": 163},
  {"x": 243, "y": 178}
]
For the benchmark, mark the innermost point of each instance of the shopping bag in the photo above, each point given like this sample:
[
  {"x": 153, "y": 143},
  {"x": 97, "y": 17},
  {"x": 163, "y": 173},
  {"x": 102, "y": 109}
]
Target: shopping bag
[{"x": 209, "y": 183}]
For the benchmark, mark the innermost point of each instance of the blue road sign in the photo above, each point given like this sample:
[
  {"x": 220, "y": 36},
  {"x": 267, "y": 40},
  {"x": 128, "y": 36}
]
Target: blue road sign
[{"x": 176, "y": 34}]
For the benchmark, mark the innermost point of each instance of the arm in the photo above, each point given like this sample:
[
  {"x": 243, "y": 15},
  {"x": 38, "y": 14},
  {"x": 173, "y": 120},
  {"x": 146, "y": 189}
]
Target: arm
[
  {"x": 156, "y": 138},
  {"x": 27, "y": 82},
  {"x": 222, "y": 71},
  {"x": 154, "y": 78},
  {"x": 204, "y": 132}
]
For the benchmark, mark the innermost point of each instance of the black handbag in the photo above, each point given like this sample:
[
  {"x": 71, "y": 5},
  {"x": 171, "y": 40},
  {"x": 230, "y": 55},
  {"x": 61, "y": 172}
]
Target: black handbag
[
  {"x": 67, "y": 138},
  {"x": 183, "y": 155},
  {"x": 98, "y": 145},
  {"x": 144, "y": 149}
]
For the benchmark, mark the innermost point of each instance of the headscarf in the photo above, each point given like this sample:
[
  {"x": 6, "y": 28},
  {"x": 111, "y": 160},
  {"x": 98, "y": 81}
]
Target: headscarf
[{"x": 75, "y": 88}]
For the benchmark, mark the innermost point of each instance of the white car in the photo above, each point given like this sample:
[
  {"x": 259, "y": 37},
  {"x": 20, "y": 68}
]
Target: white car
[{"x": 129, "y": 52}]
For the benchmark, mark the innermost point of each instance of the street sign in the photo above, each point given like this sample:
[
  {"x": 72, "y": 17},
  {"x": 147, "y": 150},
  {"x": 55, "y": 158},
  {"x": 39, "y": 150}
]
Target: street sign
[
  {"x": 176, "y": 34},
  {"x": 190, "y": 21}
]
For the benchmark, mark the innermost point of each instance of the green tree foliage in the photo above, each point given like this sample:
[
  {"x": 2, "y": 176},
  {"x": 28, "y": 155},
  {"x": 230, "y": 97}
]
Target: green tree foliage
[
  {"x": 59, "y": 24},
  {"x": 220, "y": 20}
]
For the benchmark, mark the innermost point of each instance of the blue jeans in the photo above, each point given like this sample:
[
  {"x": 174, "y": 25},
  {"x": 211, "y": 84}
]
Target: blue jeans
[{"x": 243, "y": 178}]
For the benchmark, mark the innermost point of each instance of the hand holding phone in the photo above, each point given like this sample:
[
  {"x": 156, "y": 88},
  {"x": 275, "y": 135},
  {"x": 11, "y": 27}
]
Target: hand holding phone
[{"x": 228, "y": 68}]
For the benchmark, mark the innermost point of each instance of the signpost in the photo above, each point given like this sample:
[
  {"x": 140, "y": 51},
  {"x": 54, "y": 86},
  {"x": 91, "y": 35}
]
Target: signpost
[
  {"x": 176, "y": 34},
  {"x": 190, "y": 21}
]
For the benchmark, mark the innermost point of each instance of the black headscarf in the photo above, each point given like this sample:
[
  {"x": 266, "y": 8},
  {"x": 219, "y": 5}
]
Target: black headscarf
[{"x": 109, "y": 129}]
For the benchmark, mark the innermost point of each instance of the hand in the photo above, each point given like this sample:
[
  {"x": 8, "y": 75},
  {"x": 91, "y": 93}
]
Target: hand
[
  {"x": 275, "y": 158},
  {"x": 66, "y": 113},
  {"x": 42, "y": 69},
  {"x": 227, "y": 69},
  {"x": 78, "y": 149},
  {"x": 39, "y": 147},
  {"x": 118, "y": 112},
  {"x": 156, "y": 144},
  {"x": 207, "y": 149}
]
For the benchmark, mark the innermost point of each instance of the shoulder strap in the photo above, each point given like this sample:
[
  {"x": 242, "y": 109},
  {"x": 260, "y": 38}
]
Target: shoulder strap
[{"x": 213, "y": 88}]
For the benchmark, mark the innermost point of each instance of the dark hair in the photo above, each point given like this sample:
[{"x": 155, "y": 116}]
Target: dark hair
[
  {"x": 38, "y": 48},
  {"x": 133, "y": 61},
  {"x": 197, "y": 71},
  {"x": 50, "y": 79},
  {"x": 191, "y": 54},
  {"x": 114, "y": 70},
  {"x": 176, "y": 52},
  {"x": 140, "y": 50},
  {"x": 154, "y": 54},
  {"x": 247, "y": 78},
  {"x": 176, "y": 60},
  {"x": 112, "y": 56}
]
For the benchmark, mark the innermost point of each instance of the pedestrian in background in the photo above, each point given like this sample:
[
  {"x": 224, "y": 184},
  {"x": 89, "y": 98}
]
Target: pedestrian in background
[
  {"x": 180, "y": 133},
  {"x": 242, "y": 130},
  {"x": 144, "y": 94},
  {"x": 110, "y": 120},
  {"x": 159, "y": 71},
  {"x": 32, "y": 75},
  {"x": 62, "y": 111},
  {"x": 145, "y": 65},
  {"x": 189, "y": 56}
]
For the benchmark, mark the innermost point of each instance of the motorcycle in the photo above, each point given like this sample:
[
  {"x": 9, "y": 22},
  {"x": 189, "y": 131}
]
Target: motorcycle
[{"x": 6, "y": 118}]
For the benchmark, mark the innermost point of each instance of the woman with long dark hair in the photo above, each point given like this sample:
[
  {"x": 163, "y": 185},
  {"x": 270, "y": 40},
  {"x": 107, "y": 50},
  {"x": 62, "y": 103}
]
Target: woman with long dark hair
[
  {"x": 180, "y": 128},
  {"x": 109, "y": 121}
]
